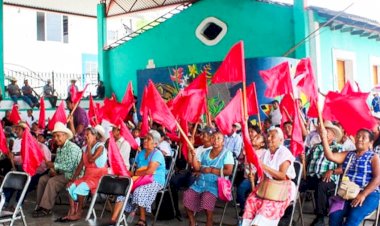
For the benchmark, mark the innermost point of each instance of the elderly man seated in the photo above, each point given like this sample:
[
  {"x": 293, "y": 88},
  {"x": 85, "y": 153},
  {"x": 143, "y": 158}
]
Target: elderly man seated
[
  {"x": 321, "y": 173},
  {"x": 61, "y": 171}
]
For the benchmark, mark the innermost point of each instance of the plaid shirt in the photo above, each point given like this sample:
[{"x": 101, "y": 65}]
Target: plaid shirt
[
  {"x": 68, "y": 158},
  {"x": 318, "y": 165}
]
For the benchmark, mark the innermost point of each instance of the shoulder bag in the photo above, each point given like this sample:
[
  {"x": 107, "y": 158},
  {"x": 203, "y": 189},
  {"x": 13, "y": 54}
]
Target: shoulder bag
[{"x": 347, "y": 189}]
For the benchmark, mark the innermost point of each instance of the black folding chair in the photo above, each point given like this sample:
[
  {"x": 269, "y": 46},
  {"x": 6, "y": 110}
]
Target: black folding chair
[
  {"x": 232, "y": 179},
  {"x": 18, "y": 181},
  {"x": 112, "y": 185},
  {"x": 169, "y": 164}
]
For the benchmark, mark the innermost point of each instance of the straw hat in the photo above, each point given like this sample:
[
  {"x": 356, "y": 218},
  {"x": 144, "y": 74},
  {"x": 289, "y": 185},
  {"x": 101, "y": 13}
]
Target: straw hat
[
  {"x": 338, "y": 133},
  {"x": 22, "y": 125},
  {"x": 14, "y": 79},
  {"x": 100, "y": 130},
  {"x": 60, "y": 127}
]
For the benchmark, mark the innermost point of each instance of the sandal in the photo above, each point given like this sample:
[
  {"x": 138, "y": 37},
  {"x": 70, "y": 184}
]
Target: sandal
[
  {"x": 140, "y": 223},
  {"x": 42, "y": 213}
]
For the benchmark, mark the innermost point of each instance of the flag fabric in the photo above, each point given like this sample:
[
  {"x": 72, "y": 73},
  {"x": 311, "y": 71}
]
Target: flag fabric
[
  {"x": 232, "y": 68},
  {"x": 59, "y": 116},
  {"x": 158, "y": 109},
  {"x": 350, "y": 110},
  {"x": 128, "y": 98},
  {"x": 14, "y": 116},
  {"x": 113, "y": 110},
  {"x": 124, "y": 131},
  {"x": 350, "y": 87},
  {"x": 296, "y": 143},
  {"x": 199, "y": 82},
  {"x": 250, "y": 151},
  {"x": 278, "y": 80},
  {"x": 185, "y": 148},
  {"x": 115, "y": 159},
  {"x": 307, "y": 83},
  {"x": 93, "y": 114},
  {"x": 230, "y": 114},
  {"x": 252, "y": 105},
  {"x": 287, "y": 108},
  {"x": 41, "y": 118},
  {"x": 3, "y": 141},
  {"x": 31, "y": 153},
  {"x": 144, "y": 113},
  {"x": 75, "y": 95}
]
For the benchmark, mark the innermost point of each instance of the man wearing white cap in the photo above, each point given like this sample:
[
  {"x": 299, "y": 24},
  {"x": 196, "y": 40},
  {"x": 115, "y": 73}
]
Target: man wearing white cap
[
  {"x": 61, "y": 170},
  {"x": 234, "y": 142}
]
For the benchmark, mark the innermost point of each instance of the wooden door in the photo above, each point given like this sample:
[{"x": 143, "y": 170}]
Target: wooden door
[{"x": 341, "y": 73}]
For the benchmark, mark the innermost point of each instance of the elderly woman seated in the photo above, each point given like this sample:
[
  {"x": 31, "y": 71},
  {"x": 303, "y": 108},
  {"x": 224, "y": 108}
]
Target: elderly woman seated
[
  {"x": 202, "y": 195},
  {"x": 94, "y": 163},
  {"x": 362, "y": 167},
  {"x": 150, "y": 161},
  {"x": 277, "y": 163}
]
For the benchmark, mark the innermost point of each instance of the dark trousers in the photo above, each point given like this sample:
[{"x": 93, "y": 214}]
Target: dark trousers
[
  {"x": 322, "y": 192},
  {"x": 5, "y": 166},
  {"x": 183, "y": 179}
]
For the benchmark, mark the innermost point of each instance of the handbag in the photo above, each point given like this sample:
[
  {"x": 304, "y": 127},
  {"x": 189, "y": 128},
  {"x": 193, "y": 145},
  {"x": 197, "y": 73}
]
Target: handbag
[
  {"x": 275, "y": 190},
  {"x": 142, "y": 180},
  {"x": 224, "y": 188},
  {"x": 347, "y": 189}
]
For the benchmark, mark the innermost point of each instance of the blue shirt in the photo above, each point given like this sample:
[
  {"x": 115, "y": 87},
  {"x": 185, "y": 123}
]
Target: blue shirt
[
  {"x": 102, "y": 159},
  {"x": 208, "y": 181},
  {"x": 376, "y": 104},
  {"x": 233, "y": 143},
  {"x": 154, "y": 156}
]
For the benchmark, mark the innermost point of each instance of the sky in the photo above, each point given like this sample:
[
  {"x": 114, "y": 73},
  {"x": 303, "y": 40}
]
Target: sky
[{"x": 365, "y": 8}]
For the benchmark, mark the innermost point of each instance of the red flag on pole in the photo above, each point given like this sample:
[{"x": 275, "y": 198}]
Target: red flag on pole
[
  {"x": 230, "y": 114},
  {"x": 3, "y": 141},
  {"x": 144, "y": 113},
  {"x": 296, "y": 143},
  {"x": 14, "y": 116},
  {"x": 252, "y": 105},
  {"x": 185, "y": 148},
  {"x": 250, "y": 151},
  {"x": 31, "y": 153},
  {"x": 41, "y": 119},
  {"x": 59, "y": 116},
  {"x": 232, "y": 68},
  {"x": 93, "y": 114},
  {"x": 76, "y": 96},
  {"x": 124, "y": 131},
  {"x": 115, "y": 159},
  {"x": 128, "y": 98},
  {"x": 113, "y": 110},
  {"x": 350, "y": 87},
  {"x": 278, "y": 80},
  {"x": 287, "y": 108}
]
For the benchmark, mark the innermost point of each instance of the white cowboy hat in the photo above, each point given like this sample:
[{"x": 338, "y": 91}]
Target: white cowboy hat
[
  {"x": 60, "y": 127},
  {"x": 338, "y": 132},
  {"x": 13, "y": 79},
  {"x": 100, "y": 130},
  {"x": 237, "y": 125}
]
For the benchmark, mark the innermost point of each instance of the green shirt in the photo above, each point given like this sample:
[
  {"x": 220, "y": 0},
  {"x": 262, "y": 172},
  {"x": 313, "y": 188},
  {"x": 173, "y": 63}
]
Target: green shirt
[
  {"x": 317, "y": 163},
  {"x": 68, "y": 158}
]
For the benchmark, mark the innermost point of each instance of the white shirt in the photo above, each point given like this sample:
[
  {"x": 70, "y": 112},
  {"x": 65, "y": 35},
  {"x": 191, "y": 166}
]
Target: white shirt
[
  {"x": 348, "y": 145},
  {"x": 233, "y": 143},
  {"x": 42, "y": 168},
  {"x": 29, "y": 120},
  {"x": 16, "y": 149},
  {"x": 199, "y": 151},
  {"x": 164, "y": 146},
  {"x": 275, "y": 116},
  {"x": 125, "y": 150}
]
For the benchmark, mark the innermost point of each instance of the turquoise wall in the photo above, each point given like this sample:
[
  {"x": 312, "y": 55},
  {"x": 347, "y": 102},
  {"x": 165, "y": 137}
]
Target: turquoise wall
[
  {"x": 363, "y": 48},
  {"x": 267, "y": 30}
]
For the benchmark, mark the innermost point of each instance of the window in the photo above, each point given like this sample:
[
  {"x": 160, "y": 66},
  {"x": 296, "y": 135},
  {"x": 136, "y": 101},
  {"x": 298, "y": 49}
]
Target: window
[
  {"x": 374, "y": 63},
  {"x": 52, "y": 27},
  {"x": 344, "y": 65},
  {"x": 211, "y": 30}
]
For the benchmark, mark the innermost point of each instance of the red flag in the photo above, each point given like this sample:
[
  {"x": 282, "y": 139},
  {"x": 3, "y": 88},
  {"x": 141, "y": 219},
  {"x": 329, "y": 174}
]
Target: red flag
[
  {"x": 113, "y": 110},
  {"x": 144, "y": 113},
  {"x": 93, "y": 114},
  {"x": 115, "y": 159},
  {"x": 278, "y": 80},
  {"x": 76, "y": 96},
  {"x": 31, "y": 153},
  {"x": 350, "y": 87},
  {"x": 308, "y": 85},
  {"x": 296, "y": 143},
  {"x": 250, "y": 151},
  {"x": 287, "y": 108},
  {"x": 232, "y": 68},
  {"x": 15, "y": 116},
  {"x": 252, "y": 106},
  {"x": 158, "y": 109},
  {"x": 185, "y": 148},
  {"x": 351, "y": 110},
  {"x": 59, "y": 116},
  {"x": 41, "y": 119},
  {"x": 230, "y": 114},
  {"x": 3, "y": 141},
  {"x": 199, "y": 82},
  {"x": 124, "y": 131},
  {"x": 128, "y": 98}
]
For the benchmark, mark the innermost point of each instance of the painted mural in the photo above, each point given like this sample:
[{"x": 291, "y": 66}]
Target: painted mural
[{"x": 170, "y": 80}]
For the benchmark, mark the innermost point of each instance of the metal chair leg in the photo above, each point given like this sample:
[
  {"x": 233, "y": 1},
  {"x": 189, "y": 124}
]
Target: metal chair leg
[{"x": 158, "y": 208}]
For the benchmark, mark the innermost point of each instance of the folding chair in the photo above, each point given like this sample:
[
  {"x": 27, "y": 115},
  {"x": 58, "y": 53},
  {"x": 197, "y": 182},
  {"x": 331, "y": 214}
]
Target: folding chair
[
  {"x": 232, "y": 179},
  {"x": 374, "y": 216},
  {"x": 112, "y": 185},
  {"x": 169, "y": 164},
  {"x": 18, "y": 181},
  {"x": 297, "y": 181}
]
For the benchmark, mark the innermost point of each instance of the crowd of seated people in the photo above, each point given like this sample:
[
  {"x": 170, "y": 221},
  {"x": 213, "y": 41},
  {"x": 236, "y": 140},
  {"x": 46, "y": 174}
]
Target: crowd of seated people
[{"x": 76, "y": 159}]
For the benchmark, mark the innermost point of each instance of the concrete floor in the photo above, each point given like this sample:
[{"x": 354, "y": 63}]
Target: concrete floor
[{"x": 61, "y": 210}]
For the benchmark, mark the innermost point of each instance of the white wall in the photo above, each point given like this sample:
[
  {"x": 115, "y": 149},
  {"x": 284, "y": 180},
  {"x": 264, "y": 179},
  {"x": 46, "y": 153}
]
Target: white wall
[{"x": 22, "y": 48}]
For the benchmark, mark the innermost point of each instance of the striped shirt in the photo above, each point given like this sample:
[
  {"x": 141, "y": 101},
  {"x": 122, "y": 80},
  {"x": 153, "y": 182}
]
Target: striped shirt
[
  {"x": 360, "y": 168},
  {"x": 317, "y": 163}
]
